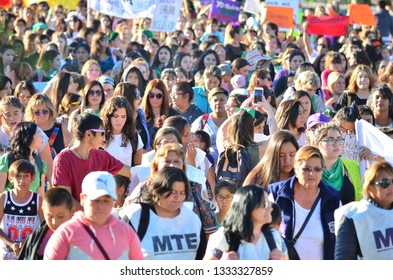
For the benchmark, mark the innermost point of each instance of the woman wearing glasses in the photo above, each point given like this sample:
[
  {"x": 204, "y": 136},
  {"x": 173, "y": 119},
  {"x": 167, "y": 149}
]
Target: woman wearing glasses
[
  {"x": 40, "y": 110},
  {"x": 305, "y": 194},
  {"x": 362, "y": 227},
  {"x": 155, "y": 105},
  {"x": 245, "y": 229}
]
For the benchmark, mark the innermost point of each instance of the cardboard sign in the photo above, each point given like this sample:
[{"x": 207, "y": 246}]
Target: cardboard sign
[
  {"x": 361, "y": 14},
  {"x": 282, "y": 16},
  {"x": 252, "y": 6},
  {"x": 225, "y": 10},
  {"x": 295, "y": 4},
  {"x": 165, "y": 15},
  {"x": 328, "y": 25}
]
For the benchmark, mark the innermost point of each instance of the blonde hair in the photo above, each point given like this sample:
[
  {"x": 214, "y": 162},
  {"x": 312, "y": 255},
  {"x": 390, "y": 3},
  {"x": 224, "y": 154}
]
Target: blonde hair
[
  {"x": 333, "y": 78},
  {"x": 309, "y": 79},
  {"x": 87, "y": 65}
]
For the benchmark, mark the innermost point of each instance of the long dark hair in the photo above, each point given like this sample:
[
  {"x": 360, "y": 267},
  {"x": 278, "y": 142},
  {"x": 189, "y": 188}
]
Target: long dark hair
[
  {"x": 88, "y": 87},
  {"x": 237, "y": 223},
  {"x": 21, "y": 138}
]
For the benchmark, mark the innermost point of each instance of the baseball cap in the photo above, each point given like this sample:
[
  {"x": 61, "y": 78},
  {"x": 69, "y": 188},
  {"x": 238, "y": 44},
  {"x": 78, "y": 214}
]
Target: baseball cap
[
  {"x": 106, "y": 79},
  {"x": 225, "y": 69},
  {"x": 317, "y": 118},
  {"x": 99, "y": 183}
]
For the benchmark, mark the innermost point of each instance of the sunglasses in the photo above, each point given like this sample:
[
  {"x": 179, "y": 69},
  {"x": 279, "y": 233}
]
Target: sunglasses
[
  {"x": 75, "y": 103},
  {"x": 310, "y": 169},
  {"x": 38, "y": 112},
  {"x": 95, "y": 92},
  {"x": 102, "y": 131},
  {"x": 384, "y": 183},
  {"x": 155, "y": 95}
]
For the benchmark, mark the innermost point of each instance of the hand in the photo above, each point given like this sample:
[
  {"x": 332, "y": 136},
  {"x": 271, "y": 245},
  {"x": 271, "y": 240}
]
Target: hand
[
  {"x": 366, "y": 154},
  {"x": 15, "y": 247},
  {"x": 231, "y": 255},
  {"x": 191, "y": 154},
  {"x": 248, "y": 102},
  {"x": 276, "y": 254}
]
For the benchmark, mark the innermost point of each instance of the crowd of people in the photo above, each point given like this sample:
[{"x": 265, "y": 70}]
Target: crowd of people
[{"x": 216, "y": 141}]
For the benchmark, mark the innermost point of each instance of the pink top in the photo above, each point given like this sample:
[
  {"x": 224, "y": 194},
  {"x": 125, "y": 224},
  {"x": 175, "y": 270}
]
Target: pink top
[{"x": 72, "y": 242}]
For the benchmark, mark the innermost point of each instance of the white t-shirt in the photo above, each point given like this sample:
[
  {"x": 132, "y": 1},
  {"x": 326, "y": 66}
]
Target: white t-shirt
[
  {"x": 310, "y": 243},
  {"x": 123, "y": 154}
]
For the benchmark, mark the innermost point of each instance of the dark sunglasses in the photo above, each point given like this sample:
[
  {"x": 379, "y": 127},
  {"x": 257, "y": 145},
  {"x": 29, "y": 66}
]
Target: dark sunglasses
[
  {"x": 155, "y": 95},
  {"x": 38, "y": 112},
  {"x": 384, "y": 183},
  {"x": 95, "y": 92}
]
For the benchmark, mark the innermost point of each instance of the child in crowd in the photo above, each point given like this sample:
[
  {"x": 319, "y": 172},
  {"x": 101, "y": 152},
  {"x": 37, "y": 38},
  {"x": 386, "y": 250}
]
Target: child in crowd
[
  {"x": 224, "y": 191},
  {"x": 20, "y": 211},
  {"x": 57, "y": 209},
  {"x": 122, "y": 184}
]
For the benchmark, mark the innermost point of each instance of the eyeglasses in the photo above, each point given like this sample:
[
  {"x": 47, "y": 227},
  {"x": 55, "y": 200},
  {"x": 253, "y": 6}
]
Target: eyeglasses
[
  {"x": 38, "y": 112},
  {"x": 313, "y": 170},
  {"x": 98, "y": 131},
  {"x": 346, "y": 130},
  {"x": 95, "y": 92},
  {"x": 333, "y": 141},
  {"x": 24, "y": 97},
  {"x": 224, "y": 198},
  {"x": 384, "y": 183},
  {"x": 155, "y": 95},
  {"x": 75, "y": 103}
]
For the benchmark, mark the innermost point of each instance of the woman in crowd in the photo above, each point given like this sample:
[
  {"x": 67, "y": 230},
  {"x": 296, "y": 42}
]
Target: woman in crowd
[
  {"x": 335, "y": 88},
  {"x": 221, "y": 51},
  {"x": 25, "y": 139},
  {"x": 277, "y": 162},
  {"x": 48, "y": 65},
  {"x": 184, "y": 60},
  {"x": 63, "y": 83},
  {"x": 5, "y": 86},
  {"x": 19, "y": 71},
  {"x": 121, "y": 139},
  {"x": 162, "y": 60},
  {"x": 380, "y": 102},
  {"x": 92, "y": 70},
  {"x": 259, "y": 78},
  {"x": 361, "y": 226},
  {"x": 41, "y": 111},
  {"x": 245, "y": 230},
  {"x": 208, "y": 58},
  {"x": 24, "y": 91},
  {"x": 163, "y": 214},
  {"x": 168, "y": 76},
  {"x": 234, "y": 36},
  {"x": 305, "y": 100},
  {"x": 223, "y": 194},
  {"x": 340, "y": 173},
  {"x": 101, "y": 52},
  {"x": 82, "y": 55},
  {"x": 300, "y": 193},
  {"x": 234, "y": 101},
  {"x": 134, "y": 76},
  {"x": 359, "y": 87}
]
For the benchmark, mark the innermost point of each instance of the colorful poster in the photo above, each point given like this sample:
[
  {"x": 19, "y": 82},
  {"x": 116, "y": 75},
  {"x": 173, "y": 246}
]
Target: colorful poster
[
  {"x": 225, "y": 10},
  {"x": 165, "y": 15},
  {"x": 328, "y": 25}
]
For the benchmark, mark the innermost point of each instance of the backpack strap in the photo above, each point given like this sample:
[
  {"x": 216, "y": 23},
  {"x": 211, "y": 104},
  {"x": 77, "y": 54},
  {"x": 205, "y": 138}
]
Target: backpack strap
[
  {"x": 204, "y": 119},
  {"x": 143, "y": 221},
  {"x": 267, "y": 232},
  {"x": 40, "y": 164},
  {"x": 55, "y": 131}
]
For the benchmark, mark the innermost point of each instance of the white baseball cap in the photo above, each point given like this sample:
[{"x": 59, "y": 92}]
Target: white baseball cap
[{"x": 99, "y": 183}]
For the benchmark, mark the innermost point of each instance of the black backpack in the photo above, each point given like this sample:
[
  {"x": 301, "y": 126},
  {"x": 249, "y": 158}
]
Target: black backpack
[{"x": 234, "y": 164}]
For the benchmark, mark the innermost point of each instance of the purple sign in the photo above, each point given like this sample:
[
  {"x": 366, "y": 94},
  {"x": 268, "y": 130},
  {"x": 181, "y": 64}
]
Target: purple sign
[{"x": 225, "y": 10}]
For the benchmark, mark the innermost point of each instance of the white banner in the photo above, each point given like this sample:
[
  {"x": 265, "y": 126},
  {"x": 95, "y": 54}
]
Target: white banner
[
  {"x": 124, "y": 8},
  {"x": 253, "y": 7},
  {"x": 165, "y": 15}
]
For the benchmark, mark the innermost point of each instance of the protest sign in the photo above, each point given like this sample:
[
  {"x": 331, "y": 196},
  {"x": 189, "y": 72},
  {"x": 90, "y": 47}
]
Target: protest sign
[
  {"x": 282, "y": 16},
  {"x": 124, "y": 8},
  {"x": 225, "y": 10},
  {"x": 328, "y": 25},
  {"x": 165, "y": 15},
  {"x": 252, "y": 6},
  {"x": 286, "y": 3},
  {"x": 361, "y": 14}
]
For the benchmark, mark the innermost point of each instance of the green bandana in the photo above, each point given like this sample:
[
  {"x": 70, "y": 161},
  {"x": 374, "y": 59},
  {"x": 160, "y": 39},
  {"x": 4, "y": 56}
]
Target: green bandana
[{"x": 334, "y": 177}]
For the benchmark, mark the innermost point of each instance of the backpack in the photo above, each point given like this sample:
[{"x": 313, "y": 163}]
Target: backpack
[{"x": 233, "y": 164}]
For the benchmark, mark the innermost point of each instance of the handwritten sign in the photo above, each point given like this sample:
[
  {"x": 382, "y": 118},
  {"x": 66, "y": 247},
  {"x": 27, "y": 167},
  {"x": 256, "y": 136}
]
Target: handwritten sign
[
  {"x": 225, "y": 10},
  {"x": 282, "y": 16},
  {"x": 252, "y": 7},
  {"x": 295, "y": 4},
  {"x": 165, "y": 15},
  {"x": 361, "y": 14},
  {"x": 328, "y": 25}
]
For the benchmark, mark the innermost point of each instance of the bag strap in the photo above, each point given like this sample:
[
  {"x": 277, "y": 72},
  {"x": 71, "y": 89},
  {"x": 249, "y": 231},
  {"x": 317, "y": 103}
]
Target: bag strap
[
  {"x": 54, "y": 134},
  {"x": 267, "y": 232},
  {"x": 103, "y": 252},
  {"x": 307, "y": 219},
  {"x": 143, "y": 221},
  {"x": 204, "y": 119}
]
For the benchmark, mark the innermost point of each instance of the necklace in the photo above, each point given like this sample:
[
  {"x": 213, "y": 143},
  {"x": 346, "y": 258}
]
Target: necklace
[{"x": 78, "y": 154}]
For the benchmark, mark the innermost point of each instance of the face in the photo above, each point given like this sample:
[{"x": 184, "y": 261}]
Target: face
[
  {"x": 41, "y": 115},
  {"x": 271, "y": 45},
  {"x": 8, "y": 57},
  {"x": 329, "y": 151},
  {"x": 72, "y": 86},
  {"x": 322, "y": 46},
  {"x": 186, "y": 137},
  {"x": 156, "y": 98},
  {"x": 93, "y": 72},
  {"x": 55, "y": 64},
  {"x": 262, "y": 214},
  {"x": 362, "y": 80},
  {"x": 10, "y": 117},
  {"x": 167, "y": 139},
  {"x": 24, "y": 97},
  {"x": 61, "y": 43},
  {"x": 186, "y": 63},
  {"x": 82, "y": 55},
  {"x": 144, "y": 70},
  {"x": 172, "y": 159},
  {"x": 99, "y": 210},
  {"x": 125, "y": 35},
  {"x": 287, "y": 156},
  {"x": 133, "y": 78},
  {"x": 310, "y": 179},
  {"x": 217, "y": 103},
  {"x": 339, "y": 86},
  {"x": 306, "y": 104},
  {"x": 290, "y": 81},
  {"x": 55, "y": 215},
  {"x": 126, "y": 62},
  {"x": 346, "y": 127},
  {"x": 385, "y": 53},
  {"x": 180, "y": 76},
  {"x": 221, "y": 53},
  {"x": 382, "y": 196},
  {"x": 295, "y": 62},
  {"x": 211, "y": 82},
  {"x": 243, "y": 71},
  {"x": 231, "y": 107},
  {"x": 178, "y": 98},
  {"x": 209, "y": 60},
  {"x": 367, "y": 117},
  {"x": 118, "y": 120},
  {"x": 108, "y": 90},
  {"x": 169, "y": 81},
  {"x": 175, "y": 199},
  {"x": 7, "y": 90},
  {"x": 94, "y": 100},
  {"x": 380, "y": 102},
  {"x": 164, "y": 56},
  {"x": 38, "y": 140},
  {"x": 224, "y": 200}
]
